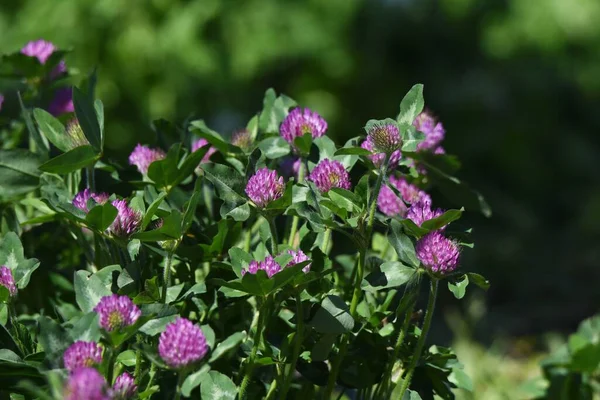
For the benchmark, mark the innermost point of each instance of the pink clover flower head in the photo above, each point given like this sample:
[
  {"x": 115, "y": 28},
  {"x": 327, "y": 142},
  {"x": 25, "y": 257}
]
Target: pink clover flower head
[
  {"x": 40, "y": 49},
  {"x": 62, "y": 102},
  {"x": 329, "y": 174},
  {"x": 437, "y": 253},
  {"x": 82, "y": 354},
  {"x": 81, "y": 199},
  {"x": 378, "y": 158},
  {"x": 182, "y": 343},
  {"x": 264, "y": 187},
  {"x": 124, "y": 387},
  {"x": 142, "y": 156},
  {"x": 298, "y": 257},
  {"x": 421, "y": 211},
  {"x": 242, "y": 139},
  {"x": 269, "y": 265},
  {"x": 196, "y": 144},
  {"x": 384, "y": 136},
  {"x": 300, "y": 121},
  {"x": 391, "y": 205},
  {"x": 128, "y": 220},
  {"x": 117, "y": 312},
  {"x": 86, "y": 383},
  {"x": 7, "y": 280},
  {"x": 433, "y": 130}
]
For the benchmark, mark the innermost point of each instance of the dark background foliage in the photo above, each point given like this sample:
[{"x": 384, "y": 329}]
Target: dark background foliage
[{"x": 516, "y": 85}]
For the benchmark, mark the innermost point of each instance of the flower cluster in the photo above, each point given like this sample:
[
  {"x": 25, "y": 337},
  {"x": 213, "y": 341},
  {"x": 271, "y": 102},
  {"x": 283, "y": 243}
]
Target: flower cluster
[
  {"x": 437, "y": 253},
  {"x": 124, "y": 387},
  {"x": 82, "y": 354},
  {"x": 421, "y": 211},
  {"x": 300, "y": 121},
  {"x": 269, "y": 265},
  {"x": 384, "y": 137},
  {"x": 378, "y": 158},
  {"x": 391, "y": 205},
  {"x": 143, "y": 156},
  {"x": 182, "y": 343},
  {"x": 198, "y": 143},
  {"x": 298, "y": 256},
  {"x": 86, "y": 383},
  {"x": 116, "y": 312},
  {"x": 7, "y": 280},
  {"x": 329, "y": 174},
  {"x": 128, "y": 220},
  {"x": 433, "y": 130},
  {"x": 264, "y": 187},
  {"x": 81, "y": 199}
]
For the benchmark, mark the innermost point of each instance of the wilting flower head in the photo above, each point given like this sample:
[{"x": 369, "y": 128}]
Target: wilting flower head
[
  {"x": 62, "y": 102},
  {"x": 143, "y": 156},
  {"x": 116, "y": 312},
  {"x": 7, "y": 280},
  {"x": 264, "y": 187},
  {"x": 124, "y": 387},
  {"x": 81, "y": 199},
  {"x": 437, "y": 253},
  {"x": 201, "y": 143},
  {"x": 329, "y": 174},
  {"x": 128, "y": 220},
  {"x": 385, "y": 137},
  {"x": 182, "y": 343},
  {"x": 421, "y": 211},
  {"x": 433, "y": 130},
  {"x": 76, "y": 134},
  {"x": 86, "y": 383},
  {"x": 378, "y": 158},
  {"x": 269, "y": 265},
  {"x": 300, "y": 121},
  {"x": 82, "y": 354},
  {"x": 242, "y": 139},
  {"x": 391, "y": 205},
  {"x": 298, "y": 257}
]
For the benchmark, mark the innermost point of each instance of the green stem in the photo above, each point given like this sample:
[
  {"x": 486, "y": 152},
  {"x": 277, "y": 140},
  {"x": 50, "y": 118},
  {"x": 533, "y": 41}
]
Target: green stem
[
  {"x": 255, "y": 346},
  {"x": 138, "y": 360},
  {"x": 296, "y": 219},
  {"x": 326, "y": 240},
  {"x": 91, "y": 180},
  {"x": 111, "y": 364},
  {"x": 274, "y": 240},
  {"x": 297, "y": 347},
  {"x": 166, "y": 276},
  {"x": 421, "y": 343},
  {"x": 272, "y": 390},
  {"x": 360, "y": 271},
  {"x": 179, "y": 383}
]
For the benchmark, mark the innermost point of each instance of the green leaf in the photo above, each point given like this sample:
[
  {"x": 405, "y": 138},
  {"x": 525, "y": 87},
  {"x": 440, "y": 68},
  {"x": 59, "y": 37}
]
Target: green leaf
[
  {"x": 230, "y": 343},
  {"x": 157, "y": 325},
  {"x": 443, "y": 220},
  {"x": 230, "y": 187},
  {"x": 410, "y": 137},
  {"x": 392, "y": 274},
  {"x": 170, "y": 229},
  {"x": 101, "y": 216},
  {"x": 194, "y": 380},
  {"x": 216, "y": 386},
  {"x": 53, "y": 129},
  {"x": 99, "y": 108},
  {"x": 19, "y": 172},
  {"x": 460, "y": 379},
  {"x": 274, "y": 111},
  {"x": 127, "y": 358},
  {"x": 412, "y": 104},
  {"x": 152, "y": 208},
  {"x": 163, "y": 172},
  {"x": 86, "y": 328},
  {"x": 403, "y": 245},
  {"x": 212, "y": 137},
  {"x": 89, "y": 290},
  {"x": 346, "y": 199},
  {"x": 303, "y": 143},
  {"x": 191, "y": 206},
  {"x": 353, "y": 151},
  {"x": 71, "y": 161},
  {"x": 274, "y": 147},
  {"x": 88, "y": 120},
  {"x": 479, "y": 280},
  {"x": 333, "y": 316},
  {"x": 41, "y": 144},
  {"x": 53, "y": 338},
  {"x": 459, "y": 287},
  {"x": 12, "y": 256}
]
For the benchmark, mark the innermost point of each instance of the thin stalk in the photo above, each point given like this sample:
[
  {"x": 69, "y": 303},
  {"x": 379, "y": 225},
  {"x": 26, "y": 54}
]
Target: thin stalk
[
  {"x": 111, "y": 364},
  {"x": 296, "y": 219},
  {"x": 91, "y": 180},
  {"x": 166, "y": 276},
  {"x": 272, "y": 390},
  {"x": 326, "y": 240},
  {"x": 297, "y": 347},
  {"x": 274, "y": 240},
  {"x": 180, "y": 379},
  {"x": 419, "y": 348},
  {"x": 138, "y": 360},
  {"x": 255, "y": 346}
]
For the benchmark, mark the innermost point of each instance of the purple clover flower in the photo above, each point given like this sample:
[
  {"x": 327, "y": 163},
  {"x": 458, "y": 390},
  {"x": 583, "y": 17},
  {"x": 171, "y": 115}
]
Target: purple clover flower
[
  {"x": 384, "y": 137},
  {"x": 378, "y": 158},
  {"x": 242, "y": 139},
  {"x": 124, "y": 387},
  {"x": 62, "y": 102},
  {"x": 143, "y": 156},
  {"x": 264, "y": 187},
  {"x": 201, "y": 143},
  {"x": 82, "y": 354},
  {"x": 81, "y": 199},
  {"x": 269, "y": 265},
  {"x": 182, "y": 343},
  {"x": 437, "y": 253},
  {"x": 7, "y": 280},
  {"x": 433, "y": 130},
  {"x": 40, "y": 49},
  {"x": 291, "y": 166},
  {"x": 116, "y": 312},
  {"x": 298, "y": 257},
  {"x": 86, "y": 383},
  {"x": 392, "y": 205},
  {"x": 128, "y": 220},
  {"x": 300, "y": 121},
  {"x": 330, "y": 174},
  {"x": 421, "y": 211}
]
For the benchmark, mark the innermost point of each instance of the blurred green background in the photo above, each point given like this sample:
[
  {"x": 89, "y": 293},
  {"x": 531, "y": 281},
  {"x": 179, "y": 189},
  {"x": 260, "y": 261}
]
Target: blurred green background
[{"x": 516, "y": 83}]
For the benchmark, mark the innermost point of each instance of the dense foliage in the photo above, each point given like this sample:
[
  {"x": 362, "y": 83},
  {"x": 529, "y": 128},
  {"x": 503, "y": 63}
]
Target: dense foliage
[{"x": 212, "y": 273}]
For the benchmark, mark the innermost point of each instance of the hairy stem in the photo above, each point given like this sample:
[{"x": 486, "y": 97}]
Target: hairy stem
[
  {"x": 421, "y": 343},
  {"x": 166, "y": 276},
  {"x": 297, "y": 347},
  {"x": 255, "y": 346},
  {"x": 138, "y": 360},
  {"x": 91, "y": 180},
  {"x": 274, "y": 239}
]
